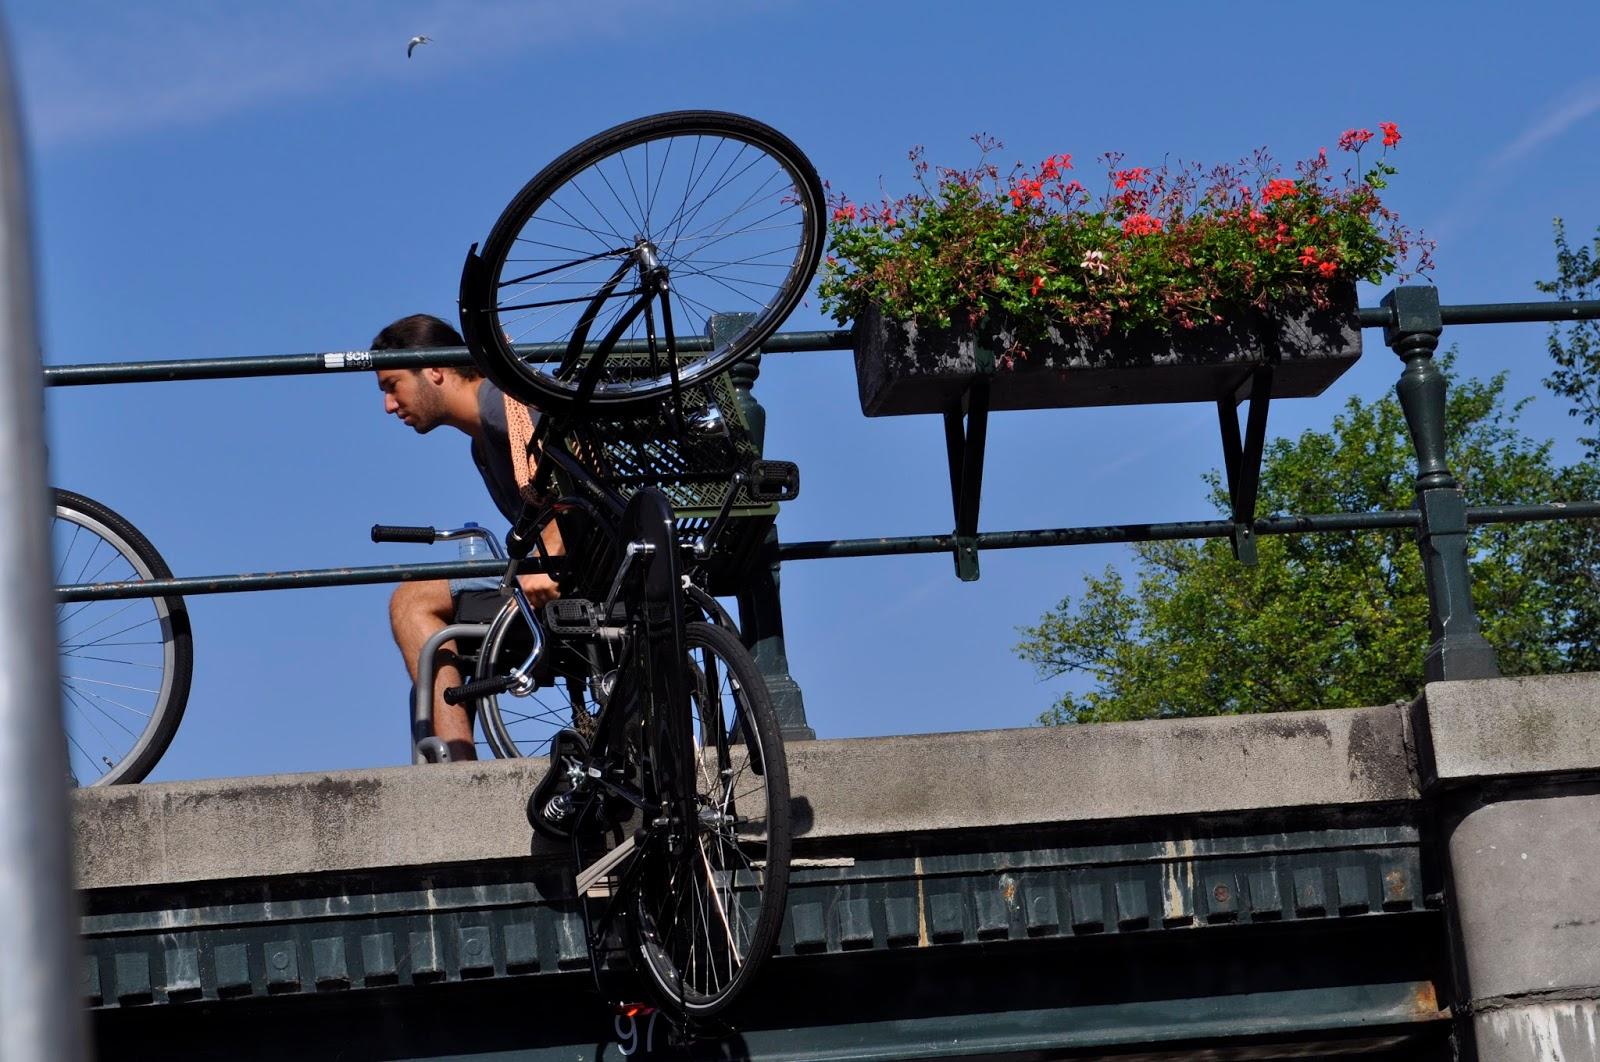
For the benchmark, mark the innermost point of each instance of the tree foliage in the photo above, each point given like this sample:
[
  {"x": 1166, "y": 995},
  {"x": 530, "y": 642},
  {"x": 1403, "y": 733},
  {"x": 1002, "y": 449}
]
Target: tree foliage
[
  {"x": 1340, "y": 619},
  {"x": 1575, "y": 348}
]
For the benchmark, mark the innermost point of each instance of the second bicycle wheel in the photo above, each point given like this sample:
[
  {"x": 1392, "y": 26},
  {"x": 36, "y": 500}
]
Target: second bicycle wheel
[
  {"x": 523, "y": 724},
  {"x": 630, "y": 242},
  {"x": 125, "y": 664},
  {"x": 708, "y": 907}
]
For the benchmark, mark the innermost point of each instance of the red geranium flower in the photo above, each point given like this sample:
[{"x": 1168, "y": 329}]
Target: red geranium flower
[
  {"x": 1282, "y": 188},
  {"x": 1352, "y": 139},
  {"x": 1141, "y": 225},
  {"x": 1136, "y": 175},
  {"x": 1391, "y": 133},
  {"x": 1052, "y": 166}
]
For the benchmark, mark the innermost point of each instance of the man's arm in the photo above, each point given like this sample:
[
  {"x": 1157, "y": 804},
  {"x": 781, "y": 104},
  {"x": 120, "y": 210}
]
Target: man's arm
[{"x": 539, "y": 587}]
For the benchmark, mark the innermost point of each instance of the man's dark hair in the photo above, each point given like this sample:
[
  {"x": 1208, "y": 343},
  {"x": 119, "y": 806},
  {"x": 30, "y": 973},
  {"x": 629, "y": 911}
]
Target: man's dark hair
[{"x": 421, "y": 331}]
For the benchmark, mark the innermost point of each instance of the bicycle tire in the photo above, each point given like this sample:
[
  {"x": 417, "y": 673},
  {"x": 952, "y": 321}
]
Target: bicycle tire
[
  {"x": 746, "y": 869},
  {"x": 791, "y": 189},
  {"x": 83, "y": 664}
]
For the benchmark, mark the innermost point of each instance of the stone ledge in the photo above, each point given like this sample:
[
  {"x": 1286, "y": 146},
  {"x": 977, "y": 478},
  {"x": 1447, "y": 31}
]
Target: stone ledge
[
  {"x": 1541, "y": 724},
  {"x": 469, "y": 812}
]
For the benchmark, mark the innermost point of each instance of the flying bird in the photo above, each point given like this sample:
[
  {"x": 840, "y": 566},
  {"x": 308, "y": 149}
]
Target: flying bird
[{"x": 411, "y": 46}]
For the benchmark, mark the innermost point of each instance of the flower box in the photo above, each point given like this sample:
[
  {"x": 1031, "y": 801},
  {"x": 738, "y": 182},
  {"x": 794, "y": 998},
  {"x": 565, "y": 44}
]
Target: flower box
[{"x": 903, "y": 368}]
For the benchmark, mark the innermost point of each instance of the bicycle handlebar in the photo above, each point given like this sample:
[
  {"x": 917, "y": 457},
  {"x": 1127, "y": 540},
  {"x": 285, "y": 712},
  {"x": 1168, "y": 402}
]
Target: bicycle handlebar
[
  {"x": 429, "y": 535},
  {"x": 474, "y": 690},
  {"x": 392, "y": 533}
]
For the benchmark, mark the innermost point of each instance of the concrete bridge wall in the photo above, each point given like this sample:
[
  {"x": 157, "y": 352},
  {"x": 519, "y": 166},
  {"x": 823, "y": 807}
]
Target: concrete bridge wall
[{"x": 1466, "y": 827}]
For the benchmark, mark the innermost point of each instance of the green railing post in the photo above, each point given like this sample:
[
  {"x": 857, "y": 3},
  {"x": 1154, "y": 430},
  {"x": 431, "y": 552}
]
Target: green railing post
[
  {"x": 760, "y": 603},
  {"x": 1458, "y": 649}
]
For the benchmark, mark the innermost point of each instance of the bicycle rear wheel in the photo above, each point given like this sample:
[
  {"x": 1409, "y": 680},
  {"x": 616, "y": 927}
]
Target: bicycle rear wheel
[
  {"x": 707, "y": 909},
  {"x": 728, "y": 207},
  {"x": 125, "y": 664}
]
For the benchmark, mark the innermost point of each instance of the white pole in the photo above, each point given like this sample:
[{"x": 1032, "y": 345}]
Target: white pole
[{"x": 41, "y": 1012}]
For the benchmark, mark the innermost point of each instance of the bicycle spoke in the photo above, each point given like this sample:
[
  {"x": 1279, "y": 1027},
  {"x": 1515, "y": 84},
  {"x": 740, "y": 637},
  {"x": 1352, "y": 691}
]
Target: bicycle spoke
[
  {"x": 676, "y": 222},
  {"x": 77, "y": 529},
  {"x": 78, "y": 697},
  {"x": 644, "y": 215},
  {"x": 576, "y": 187},
  {"x": 115, "y": 685},
  {"x": 124, "y": 661},
  {"x": 716, "y": 185},
  {"x": 83, "y": 751},
  {"x": 721, "y": 910},
  {"x": 638, "y": 226},
  {"x": 114, "y": 634},
  {"x": 724, "y": 284},
  {"x": 714, "y": 237},
  {"x": 666, "y": 156},
  {"x": 749, "y": 200},
  {"x": 132, "y": 602},
  {"x": 557, "y": 268},
  {"x": 631, "y": 293},
  {"x": 607, "y": 234}
]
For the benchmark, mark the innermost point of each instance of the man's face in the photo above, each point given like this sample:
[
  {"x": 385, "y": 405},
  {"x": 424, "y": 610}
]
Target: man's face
[{"x": 413, "y": 396}]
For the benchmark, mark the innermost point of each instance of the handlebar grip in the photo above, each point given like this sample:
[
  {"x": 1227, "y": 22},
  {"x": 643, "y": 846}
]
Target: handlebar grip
[
  {"x": 388, "y": 533},
  {"x": 473, "y": 690}
]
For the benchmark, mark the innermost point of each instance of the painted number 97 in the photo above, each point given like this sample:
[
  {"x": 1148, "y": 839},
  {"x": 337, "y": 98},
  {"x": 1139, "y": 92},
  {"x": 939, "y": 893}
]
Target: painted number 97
[{"x": 628, "y": 1031}]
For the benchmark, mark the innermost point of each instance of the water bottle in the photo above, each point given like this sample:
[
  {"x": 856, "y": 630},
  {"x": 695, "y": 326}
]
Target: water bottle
[{"x": 473, "y": 548}]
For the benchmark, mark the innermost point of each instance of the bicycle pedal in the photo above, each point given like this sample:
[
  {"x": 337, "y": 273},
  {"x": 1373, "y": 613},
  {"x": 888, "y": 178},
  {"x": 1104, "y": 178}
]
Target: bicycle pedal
[
  {"x": 571, "y": 615},
  {"x": 773, "y": 481}
]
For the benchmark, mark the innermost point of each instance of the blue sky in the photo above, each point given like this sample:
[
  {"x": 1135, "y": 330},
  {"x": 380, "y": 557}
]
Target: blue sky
[{"x": 219, "y": 179}]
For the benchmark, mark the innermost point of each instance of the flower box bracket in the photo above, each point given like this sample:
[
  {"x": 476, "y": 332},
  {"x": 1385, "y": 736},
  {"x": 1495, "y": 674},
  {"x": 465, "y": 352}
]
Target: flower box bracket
[
  {"x": 966, "y": 428},
  {"x": 1241, "y": 458},
  {"x": 964, "y": 446}
]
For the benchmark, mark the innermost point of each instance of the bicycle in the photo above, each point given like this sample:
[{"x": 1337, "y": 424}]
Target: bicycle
[
  {"x": 126, "y": 664},
  {"x": 667, "y": 776}
]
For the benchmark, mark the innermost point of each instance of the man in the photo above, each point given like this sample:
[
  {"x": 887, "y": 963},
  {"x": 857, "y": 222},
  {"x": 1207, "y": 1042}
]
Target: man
[{"x": 459, "y": 398}]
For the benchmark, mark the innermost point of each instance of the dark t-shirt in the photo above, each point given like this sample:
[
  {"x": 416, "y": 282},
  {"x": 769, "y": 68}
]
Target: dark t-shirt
[{"x": 491, "y": 451}]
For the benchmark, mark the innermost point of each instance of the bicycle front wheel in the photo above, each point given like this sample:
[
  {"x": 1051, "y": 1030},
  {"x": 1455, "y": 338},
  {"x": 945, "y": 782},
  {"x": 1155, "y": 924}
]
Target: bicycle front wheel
[
  {"x": 125, "y": 664},
  {"x": 622, "y": 249},
  {"x": 707, "y": 911}
]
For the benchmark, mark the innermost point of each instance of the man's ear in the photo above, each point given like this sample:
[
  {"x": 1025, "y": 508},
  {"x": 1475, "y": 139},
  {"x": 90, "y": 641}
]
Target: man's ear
[{"x": 434, "y": 374}]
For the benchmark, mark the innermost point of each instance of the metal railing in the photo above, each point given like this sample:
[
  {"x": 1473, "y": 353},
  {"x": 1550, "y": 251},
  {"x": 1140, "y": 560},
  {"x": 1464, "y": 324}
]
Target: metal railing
[
  {"x": 1412, "y": 320},
  {"x": 116, "y": 372},
  {"x": 1384, "y": 317}
]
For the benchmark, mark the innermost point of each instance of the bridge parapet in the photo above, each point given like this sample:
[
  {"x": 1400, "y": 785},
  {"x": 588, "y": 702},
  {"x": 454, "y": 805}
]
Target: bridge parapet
[
  {"x": 1235, "y": 881},
  {"x": 846, "y": 791}
]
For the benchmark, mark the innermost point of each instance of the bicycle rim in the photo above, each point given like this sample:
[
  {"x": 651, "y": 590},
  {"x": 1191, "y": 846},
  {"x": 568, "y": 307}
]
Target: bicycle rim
[
  {"x": 125, "y": 664},
  {"x": 707, "y": 915},
  {"x": 729, "y": 207}
]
